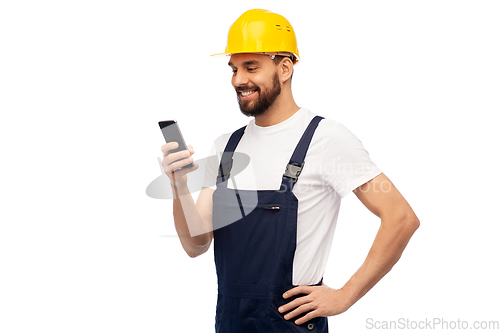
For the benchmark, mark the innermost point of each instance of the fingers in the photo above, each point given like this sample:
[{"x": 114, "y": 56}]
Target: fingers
[
  {"x": 169, "y": 146},
  {"x": 177, "y": 175},
  {"x": 294, "y": 304},
  {"x": 169, "y": 158},
  {"x": 180, "y": 155},
  {"x": 298, "y": 290},
  {"x": 166, "y": 148},
  {"x": 308, "y": 306},
  {"x": 299, "y": 305},
  {"x": 305, "y": 305},
  {"x": 171, "y": 163},
  {"x": 307, "y": 317}
]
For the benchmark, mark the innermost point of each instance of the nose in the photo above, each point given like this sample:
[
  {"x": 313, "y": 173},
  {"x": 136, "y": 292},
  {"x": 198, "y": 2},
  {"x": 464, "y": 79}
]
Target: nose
[{"x": 240, "y": 78}]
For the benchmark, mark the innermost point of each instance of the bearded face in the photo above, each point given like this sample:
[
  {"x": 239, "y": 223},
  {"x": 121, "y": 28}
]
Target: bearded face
[{"x": 254, "y": 100}]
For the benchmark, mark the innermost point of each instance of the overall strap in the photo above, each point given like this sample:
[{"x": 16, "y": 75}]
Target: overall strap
[
  {"x": 226, "y": 162},
  {"x": 296, "y": 163}
]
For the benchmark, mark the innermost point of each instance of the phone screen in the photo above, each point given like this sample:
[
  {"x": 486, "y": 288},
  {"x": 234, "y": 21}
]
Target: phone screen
[{"x": 171, "y": 132}]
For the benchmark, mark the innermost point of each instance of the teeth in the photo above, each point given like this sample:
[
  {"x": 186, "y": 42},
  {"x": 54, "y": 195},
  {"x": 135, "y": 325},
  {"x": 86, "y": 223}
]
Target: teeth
[{"x": 246, "y": 93}]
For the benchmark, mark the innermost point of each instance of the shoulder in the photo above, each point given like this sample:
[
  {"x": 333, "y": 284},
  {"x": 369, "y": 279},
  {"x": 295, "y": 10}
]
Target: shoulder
[
  {"x": 221, "y": 141},
  {"x": 336, "y": 140},
  {"x": 332, "y": 130}
]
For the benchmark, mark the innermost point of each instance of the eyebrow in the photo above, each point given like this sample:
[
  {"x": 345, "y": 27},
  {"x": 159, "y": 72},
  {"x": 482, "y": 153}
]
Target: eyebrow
[{"x": 246, "y": 63}]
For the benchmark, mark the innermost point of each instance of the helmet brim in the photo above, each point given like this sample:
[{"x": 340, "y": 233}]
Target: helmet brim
[{"x": 297, "y": 58}]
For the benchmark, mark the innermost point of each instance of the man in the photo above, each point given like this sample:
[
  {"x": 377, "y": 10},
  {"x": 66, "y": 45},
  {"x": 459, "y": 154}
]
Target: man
[{"x": 270, "y": 259}]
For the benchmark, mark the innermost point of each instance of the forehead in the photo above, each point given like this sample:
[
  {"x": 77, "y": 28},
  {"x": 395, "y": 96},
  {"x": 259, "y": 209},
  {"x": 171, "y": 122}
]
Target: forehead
[{"x": 240, "y": 59}]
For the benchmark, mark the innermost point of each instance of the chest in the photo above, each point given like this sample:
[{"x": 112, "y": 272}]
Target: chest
[{"x": 268, "y": 158}]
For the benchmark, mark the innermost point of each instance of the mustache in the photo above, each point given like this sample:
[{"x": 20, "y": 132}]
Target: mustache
[{"x": 243, "y": 88}]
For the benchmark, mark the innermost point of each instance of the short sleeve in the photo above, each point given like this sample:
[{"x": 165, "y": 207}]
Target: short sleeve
[
  {"x": 346, "y": 163},
  {"x": 213, "y": 161},
  {"x": 211, "y": 169}
]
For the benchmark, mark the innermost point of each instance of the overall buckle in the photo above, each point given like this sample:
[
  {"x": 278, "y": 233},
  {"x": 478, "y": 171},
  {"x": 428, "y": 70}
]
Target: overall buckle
[
  {"x": 293, "y": 171},
  {"x": 224, "y": 170}
]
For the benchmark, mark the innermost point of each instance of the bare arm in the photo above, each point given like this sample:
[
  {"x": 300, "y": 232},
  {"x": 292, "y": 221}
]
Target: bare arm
[
  {"x": 193, "y": 222},
  {"x": 398, "y": 223}
]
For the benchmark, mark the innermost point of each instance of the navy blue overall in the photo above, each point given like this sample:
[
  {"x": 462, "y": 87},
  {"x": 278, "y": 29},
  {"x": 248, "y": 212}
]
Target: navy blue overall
[{"x": 254, "y": 255}]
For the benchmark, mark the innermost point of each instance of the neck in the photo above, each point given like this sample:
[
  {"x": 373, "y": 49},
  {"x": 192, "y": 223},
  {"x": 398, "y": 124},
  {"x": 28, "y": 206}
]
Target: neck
[{"x": 283, "y": 108}]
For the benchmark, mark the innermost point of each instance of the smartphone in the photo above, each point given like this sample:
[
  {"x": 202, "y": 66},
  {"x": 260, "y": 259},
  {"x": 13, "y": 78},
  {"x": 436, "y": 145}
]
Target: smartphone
[{"x": 171, "y": 132}]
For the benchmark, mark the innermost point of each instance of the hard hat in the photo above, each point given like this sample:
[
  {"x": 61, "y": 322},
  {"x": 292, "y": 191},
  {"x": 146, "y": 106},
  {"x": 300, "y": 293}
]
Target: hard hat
[{"x": 261, "y": 31}]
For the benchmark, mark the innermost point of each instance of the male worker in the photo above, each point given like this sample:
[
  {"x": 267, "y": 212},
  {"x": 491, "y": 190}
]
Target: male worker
[{"x": 270, "y": 261}]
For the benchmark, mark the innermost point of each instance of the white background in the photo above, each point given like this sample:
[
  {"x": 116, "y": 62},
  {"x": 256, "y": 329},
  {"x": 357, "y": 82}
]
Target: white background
[{"x": 84, "y": 83}]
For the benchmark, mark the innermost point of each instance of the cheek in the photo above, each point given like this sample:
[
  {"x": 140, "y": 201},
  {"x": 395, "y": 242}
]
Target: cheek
[{"x": 264, "y": 81}]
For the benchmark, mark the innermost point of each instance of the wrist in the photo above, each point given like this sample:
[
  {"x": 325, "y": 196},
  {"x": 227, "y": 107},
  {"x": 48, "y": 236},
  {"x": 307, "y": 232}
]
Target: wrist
[
  {"x": 351, "y": 294},
  {"x": 179, "y": 187}
]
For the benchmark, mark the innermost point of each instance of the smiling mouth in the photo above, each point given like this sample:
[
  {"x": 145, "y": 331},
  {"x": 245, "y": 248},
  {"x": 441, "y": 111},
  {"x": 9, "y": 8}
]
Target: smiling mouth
[{"x": 245, "y": 94}]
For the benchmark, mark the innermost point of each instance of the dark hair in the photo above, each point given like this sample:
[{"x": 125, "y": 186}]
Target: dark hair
[{"x": 277, "y": 58}]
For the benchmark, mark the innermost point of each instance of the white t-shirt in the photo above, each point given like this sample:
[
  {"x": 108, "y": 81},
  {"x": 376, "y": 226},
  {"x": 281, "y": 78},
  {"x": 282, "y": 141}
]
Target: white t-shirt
[{"x": 335, "y": 164}]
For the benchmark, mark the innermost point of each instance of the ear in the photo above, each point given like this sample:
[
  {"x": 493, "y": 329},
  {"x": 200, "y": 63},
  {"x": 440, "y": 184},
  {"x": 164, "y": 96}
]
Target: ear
[{"x": 285, "y": 69}]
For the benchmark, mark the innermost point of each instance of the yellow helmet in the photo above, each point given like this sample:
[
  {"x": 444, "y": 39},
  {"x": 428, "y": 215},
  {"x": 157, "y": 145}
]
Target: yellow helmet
[{"x": 261, "y": 31}]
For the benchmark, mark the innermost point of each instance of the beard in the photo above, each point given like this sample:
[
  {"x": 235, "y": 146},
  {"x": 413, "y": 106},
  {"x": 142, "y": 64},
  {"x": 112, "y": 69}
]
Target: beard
[{"x": 265, "y": 100}]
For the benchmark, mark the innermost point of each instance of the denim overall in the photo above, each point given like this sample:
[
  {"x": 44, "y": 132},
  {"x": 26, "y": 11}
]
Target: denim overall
[{"x": 254, "y": 254}]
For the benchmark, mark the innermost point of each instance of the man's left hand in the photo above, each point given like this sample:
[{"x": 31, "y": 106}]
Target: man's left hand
[{"x": 319, "y": 301}]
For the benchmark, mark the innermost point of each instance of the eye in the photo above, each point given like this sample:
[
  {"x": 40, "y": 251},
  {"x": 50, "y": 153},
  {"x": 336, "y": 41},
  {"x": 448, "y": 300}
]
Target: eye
[{"x": 251, "y": 69}]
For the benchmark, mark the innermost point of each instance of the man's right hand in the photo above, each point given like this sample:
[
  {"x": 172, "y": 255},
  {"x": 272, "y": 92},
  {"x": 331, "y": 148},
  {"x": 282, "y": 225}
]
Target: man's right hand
[{"x": 173, "y": 162}]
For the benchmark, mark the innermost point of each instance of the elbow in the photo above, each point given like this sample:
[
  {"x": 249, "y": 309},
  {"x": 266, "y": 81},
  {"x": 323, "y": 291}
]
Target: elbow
[
  {"x": 416, "y": 223},
  {"x": 192, "y": 254},
  {"x": 197, "y": 245},
  {"x": 198, "y": 250},
  {"x": 406, "y": 223},
  {"x": 411, "y": 223}
]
